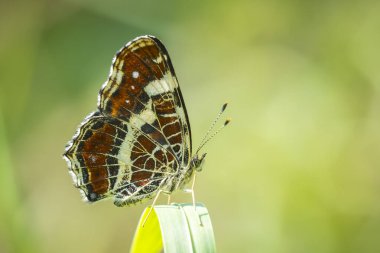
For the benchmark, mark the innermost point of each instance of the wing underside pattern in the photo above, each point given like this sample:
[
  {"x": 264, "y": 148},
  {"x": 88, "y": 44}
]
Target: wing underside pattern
[{"x": 139, "y": 139}]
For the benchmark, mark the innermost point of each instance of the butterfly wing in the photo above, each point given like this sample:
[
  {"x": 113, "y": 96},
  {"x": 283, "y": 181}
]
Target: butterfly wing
[
  {"x": 143, "y": 87},
  {"x": 145, "y": 135},
  {"x": 92, "y": 155},
  {"x": 101, "y": 158}
]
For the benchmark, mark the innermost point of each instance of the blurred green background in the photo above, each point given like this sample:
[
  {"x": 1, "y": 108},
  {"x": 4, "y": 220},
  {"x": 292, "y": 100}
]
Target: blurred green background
[{"x": 296, "y": 171}]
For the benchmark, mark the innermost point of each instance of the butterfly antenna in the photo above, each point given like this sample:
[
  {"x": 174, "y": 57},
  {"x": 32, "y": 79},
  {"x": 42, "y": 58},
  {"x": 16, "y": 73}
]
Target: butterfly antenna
[
  {"x": 212, "y": 135},
  {"x": 212, "y": 126}
]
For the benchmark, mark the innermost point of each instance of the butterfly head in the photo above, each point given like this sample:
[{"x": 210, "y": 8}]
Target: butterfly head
[{"x": 197, "y": 162}]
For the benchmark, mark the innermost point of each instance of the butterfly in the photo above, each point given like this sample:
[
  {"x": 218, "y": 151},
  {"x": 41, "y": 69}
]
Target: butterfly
[{"x": 138, "y": 141}]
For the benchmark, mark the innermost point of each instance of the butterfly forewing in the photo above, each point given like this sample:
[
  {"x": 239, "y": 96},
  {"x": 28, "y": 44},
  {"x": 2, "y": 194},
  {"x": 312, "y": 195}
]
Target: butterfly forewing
[{"x": 140, "y": 137}]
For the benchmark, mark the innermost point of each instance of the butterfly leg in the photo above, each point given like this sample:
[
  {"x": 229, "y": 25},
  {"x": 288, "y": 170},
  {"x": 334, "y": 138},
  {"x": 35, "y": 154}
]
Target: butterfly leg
[
  {"x": 193, "y": 196},
  {"x": 192, "y": 189},
  {"x": 151, "y": 208}
]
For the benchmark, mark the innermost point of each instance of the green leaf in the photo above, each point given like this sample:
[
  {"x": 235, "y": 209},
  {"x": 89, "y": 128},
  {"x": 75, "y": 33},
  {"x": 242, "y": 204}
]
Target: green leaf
[{"x": 174, "y": 228}]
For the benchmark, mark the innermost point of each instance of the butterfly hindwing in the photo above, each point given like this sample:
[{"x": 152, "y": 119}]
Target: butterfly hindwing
[{"x": 93, "y": 155}]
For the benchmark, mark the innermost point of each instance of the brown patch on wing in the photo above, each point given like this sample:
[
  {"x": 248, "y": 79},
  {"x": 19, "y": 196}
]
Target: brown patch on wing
[
  {"x": 146, "y": 160},
  {"x": 134, "y": 68},
  {"x": 168, "y": 119},
  {"x": 140, "y": 157},
  {"x": 95, "y": 150}
]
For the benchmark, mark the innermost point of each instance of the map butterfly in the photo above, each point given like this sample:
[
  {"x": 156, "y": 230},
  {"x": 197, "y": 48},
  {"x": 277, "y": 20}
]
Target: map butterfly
[{"x": 138, "y": 141}]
